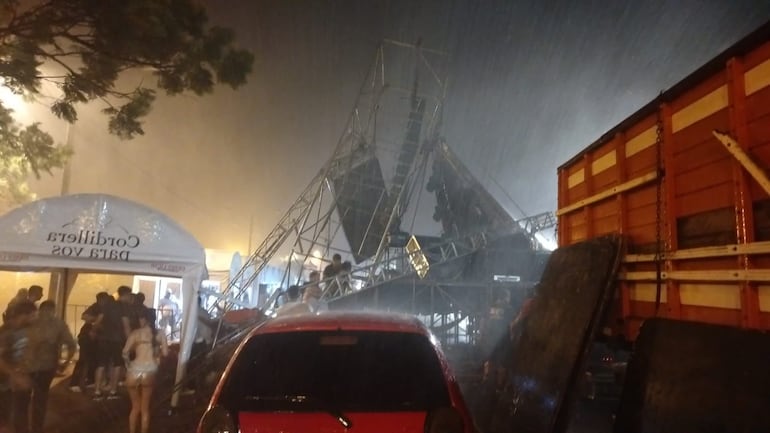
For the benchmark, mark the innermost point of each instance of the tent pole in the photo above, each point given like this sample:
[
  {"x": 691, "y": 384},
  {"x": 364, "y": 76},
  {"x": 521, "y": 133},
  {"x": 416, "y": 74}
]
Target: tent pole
[{"x": 58, "y": 289}]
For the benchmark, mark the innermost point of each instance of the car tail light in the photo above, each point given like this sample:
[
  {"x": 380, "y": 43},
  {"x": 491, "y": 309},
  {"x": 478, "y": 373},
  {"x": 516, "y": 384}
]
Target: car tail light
[{"x": 218, "y": 420}]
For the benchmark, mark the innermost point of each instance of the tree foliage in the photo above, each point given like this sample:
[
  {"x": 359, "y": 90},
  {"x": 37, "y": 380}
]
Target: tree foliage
[{"x": 84, "y": 47}]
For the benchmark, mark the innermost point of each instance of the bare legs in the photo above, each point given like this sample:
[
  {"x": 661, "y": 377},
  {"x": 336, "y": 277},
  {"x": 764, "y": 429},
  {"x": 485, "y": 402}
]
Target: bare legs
[
  {"x": 133, "y": 416},
  {"x": 140, "y": 392},
  {"x": 98, "y": 380},
  {"x": 114, "y": 377},
  {"x": 117, "y": 372},
  {"x": 146, "y": 394}
]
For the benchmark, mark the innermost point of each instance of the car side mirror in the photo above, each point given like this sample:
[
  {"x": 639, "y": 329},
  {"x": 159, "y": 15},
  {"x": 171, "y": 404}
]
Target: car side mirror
[{"x": 444, "y": 420}]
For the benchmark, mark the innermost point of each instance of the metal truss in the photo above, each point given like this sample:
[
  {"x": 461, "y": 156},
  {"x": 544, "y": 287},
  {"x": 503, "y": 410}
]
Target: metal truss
[
  {"x": 393, "y": 266},
  {"x": 311, "y": 229},
  {"x": 396, "y": 264},
  {"x": 537, "y": 223},
  {"x": 312, "y": 225}
]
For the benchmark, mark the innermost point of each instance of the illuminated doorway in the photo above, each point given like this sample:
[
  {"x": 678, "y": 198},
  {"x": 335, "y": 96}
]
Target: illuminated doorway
[{"x": 164, "y": 295}]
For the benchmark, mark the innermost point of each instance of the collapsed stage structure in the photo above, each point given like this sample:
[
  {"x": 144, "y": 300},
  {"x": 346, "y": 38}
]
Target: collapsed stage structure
[{"x": 368, "y": 203}]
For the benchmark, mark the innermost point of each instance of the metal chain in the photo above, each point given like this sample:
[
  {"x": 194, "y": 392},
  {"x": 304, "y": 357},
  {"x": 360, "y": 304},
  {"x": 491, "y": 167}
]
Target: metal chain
[{"x": 658, "y": 210}]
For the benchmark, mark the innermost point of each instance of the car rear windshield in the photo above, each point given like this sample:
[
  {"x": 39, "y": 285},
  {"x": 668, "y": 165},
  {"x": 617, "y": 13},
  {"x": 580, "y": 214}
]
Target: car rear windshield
[{"x": 345, "y": 371}]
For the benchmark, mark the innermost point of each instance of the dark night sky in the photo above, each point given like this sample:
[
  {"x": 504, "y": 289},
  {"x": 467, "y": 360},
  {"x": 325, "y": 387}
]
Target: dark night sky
[{"x": 533, "y": 81}]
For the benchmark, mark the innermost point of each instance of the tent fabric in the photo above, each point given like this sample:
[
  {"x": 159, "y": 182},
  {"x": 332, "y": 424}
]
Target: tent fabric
[
  {"x": 98, "y": 232},
  {"x": 95, "y": 231}
]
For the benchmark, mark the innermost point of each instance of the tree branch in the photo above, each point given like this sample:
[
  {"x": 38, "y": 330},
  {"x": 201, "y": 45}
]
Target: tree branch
[
  {"x": 26, "y": 19},
  {"x": 72, "y": 73},
  {"x": 92, "y": 47}
]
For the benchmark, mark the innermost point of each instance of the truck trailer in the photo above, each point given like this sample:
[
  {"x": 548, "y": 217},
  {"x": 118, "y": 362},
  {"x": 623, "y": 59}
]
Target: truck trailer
[{"x": 685, "y": 181}]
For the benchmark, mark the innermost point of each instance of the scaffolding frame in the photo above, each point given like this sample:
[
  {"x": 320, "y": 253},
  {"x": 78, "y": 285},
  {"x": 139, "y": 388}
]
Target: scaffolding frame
[{"x": 311, "y": 225}]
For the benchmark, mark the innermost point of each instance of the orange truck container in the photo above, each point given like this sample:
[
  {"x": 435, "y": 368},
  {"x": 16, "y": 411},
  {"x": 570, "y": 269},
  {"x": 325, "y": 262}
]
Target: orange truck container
[{"x": 685, "y": 181}]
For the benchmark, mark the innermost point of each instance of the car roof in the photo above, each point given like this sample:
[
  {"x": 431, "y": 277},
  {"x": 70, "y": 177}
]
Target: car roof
[{"x": 344, "y": 320}]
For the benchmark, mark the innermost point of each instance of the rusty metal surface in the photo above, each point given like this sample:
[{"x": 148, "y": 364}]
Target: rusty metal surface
[
  {"x": 688, "y": 377},
  {"x": 576, "y": 287}
]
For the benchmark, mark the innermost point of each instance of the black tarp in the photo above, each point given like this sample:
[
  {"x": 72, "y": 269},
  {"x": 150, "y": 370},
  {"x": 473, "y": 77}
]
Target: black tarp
[
  {"x": 577, "y": 286},
  {"x": 463, "y": 205},
  {"x": 511, "y": 254},
  {"x": 687, "y": 377},
  {"x": 362, "y": 201}
]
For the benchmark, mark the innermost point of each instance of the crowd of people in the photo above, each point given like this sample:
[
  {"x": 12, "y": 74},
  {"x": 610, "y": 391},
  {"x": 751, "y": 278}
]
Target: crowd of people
[
  {"x": 308, "y": 298},
  {"x": 118, "y": 342}
]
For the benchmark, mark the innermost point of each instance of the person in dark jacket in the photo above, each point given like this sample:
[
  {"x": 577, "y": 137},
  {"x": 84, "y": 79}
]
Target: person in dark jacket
[{"x": 41, "y": 361}]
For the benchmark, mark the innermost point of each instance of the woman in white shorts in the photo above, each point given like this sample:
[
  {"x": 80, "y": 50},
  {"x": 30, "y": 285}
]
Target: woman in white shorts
[{"x": 145, "y": 343}]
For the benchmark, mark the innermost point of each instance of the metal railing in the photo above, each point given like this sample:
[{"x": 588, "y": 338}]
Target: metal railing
[{"x": 73, "y": 313}]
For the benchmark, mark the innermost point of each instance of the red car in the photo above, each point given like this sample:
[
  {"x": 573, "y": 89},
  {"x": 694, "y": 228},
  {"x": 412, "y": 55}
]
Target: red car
[{"x": 338, "y": 372}]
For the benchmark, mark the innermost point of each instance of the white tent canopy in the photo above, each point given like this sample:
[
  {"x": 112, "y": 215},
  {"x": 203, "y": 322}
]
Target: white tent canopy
[{"x": 103, "y": 233}]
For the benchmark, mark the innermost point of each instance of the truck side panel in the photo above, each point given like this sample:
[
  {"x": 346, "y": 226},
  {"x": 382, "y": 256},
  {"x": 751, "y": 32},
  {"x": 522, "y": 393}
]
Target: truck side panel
[{"x": 663, "y": 175}]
